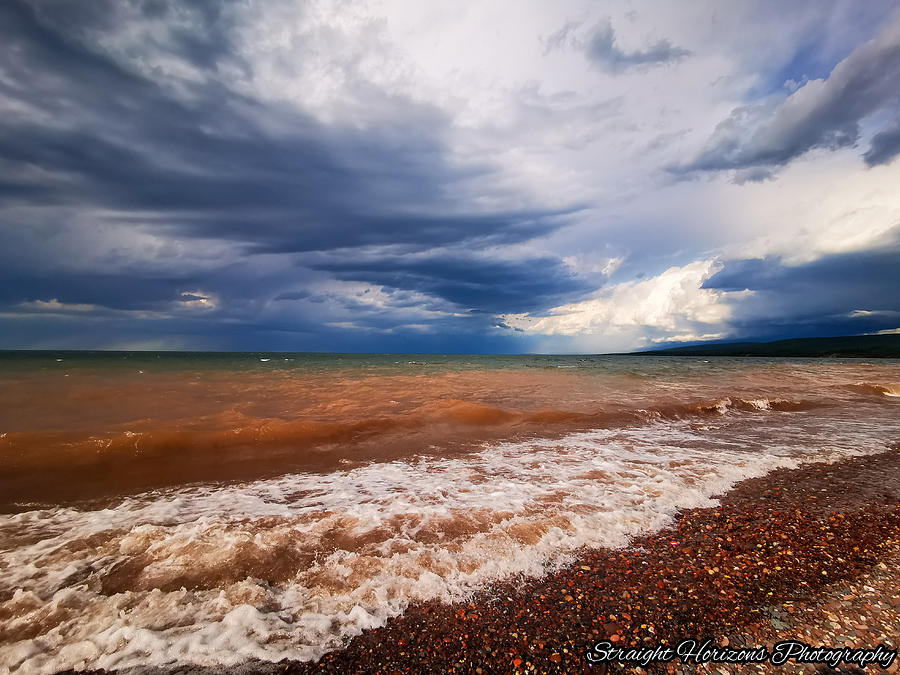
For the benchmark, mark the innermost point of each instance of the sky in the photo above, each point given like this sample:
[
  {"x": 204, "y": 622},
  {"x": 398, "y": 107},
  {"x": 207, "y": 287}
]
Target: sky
[{"x": 485, "y": 176}]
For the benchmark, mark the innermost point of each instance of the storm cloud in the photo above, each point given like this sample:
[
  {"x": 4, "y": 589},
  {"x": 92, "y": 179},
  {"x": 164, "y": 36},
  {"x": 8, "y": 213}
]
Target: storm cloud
[
  {"x": 201, "y": 161},
  {"x": 603, "y": 50},
  {"x": 215, "y": 163},
  {"x": 844, "y": 294},
  {"x": 283, "y": 175},
  {"x": 885, "y": 146},
  {"x": 823, "y": 113}
]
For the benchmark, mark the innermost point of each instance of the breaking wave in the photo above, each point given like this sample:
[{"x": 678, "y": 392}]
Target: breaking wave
[
  {"x": 890, "y": 390},
  {"x": 62, "y": 466}
]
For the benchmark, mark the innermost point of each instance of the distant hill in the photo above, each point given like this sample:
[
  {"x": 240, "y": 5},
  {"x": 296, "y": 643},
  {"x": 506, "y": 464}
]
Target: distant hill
[{"x": 850, "y": 346}]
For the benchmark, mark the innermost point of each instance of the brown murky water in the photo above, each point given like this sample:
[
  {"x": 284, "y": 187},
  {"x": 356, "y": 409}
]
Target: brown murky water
[{"x": 214, "y": 508}]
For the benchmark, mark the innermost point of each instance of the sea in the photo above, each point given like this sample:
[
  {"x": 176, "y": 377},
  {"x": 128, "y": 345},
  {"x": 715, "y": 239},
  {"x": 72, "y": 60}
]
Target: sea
[{"x": 162, "y": 509}]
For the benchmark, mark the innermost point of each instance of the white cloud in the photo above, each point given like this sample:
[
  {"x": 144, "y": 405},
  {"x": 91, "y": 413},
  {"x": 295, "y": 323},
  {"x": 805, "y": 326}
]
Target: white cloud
[
  {"x": 671, "y": 304},
  {"x": 865, "y": 313},
  {"x": 381, "y": 298},
  {"x": 690, "y": 337},
  {"x": 354, "y": 305},
  {"x": 593, "y": 265},
  {"x": 55, "y": 306},
  {"x": 346, "y": 325},
  {"x": 187, "y": 302},
  {"x": 819, "y": 206},
  {"x": 197, "y": 301}
]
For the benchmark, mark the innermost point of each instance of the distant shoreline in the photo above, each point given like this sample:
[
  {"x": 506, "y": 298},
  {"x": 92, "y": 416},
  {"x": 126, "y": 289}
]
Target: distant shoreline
[{"x": 847, "y": 347}]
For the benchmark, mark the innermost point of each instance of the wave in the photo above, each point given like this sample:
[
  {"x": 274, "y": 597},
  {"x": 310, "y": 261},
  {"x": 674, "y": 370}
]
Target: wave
[
  {"x": 444, "y": 416},
  {"x": 724, "y": 405},
  {"x": 890, "y": 390},
  {"x": 52, "y": 467}
]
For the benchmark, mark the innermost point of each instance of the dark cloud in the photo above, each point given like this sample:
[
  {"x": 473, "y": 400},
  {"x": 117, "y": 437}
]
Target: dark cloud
[
  {"x": 885, "y": 146},
  {"x": 603, "y": 50},
  {"x": 824, "y": 113},
  {"x": 197, "y": 32},
  {"x": 147, "y": 198},
  {"x": 296, "y": 295},
  {"x": 208, "y": 166},
  {"x": 470, "y": 281},
  {"x": 124, "y": 290},
  {"x": 838, "y": 294},
  {"x": 85, "y": 131}
]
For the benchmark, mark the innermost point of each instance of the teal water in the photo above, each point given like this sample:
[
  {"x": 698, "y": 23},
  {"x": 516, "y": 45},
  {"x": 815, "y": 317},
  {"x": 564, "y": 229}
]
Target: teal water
[{"x": 402, "y": 363}]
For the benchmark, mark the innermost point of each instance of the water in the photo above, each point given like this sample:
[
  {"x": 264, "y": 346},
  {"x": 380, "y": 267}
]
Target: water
[{"x": 210, "y": 508}]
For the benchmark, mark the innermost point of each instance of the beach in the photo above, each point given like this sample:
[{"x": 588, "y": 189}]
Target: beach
[{"x": 251, "y": 513}]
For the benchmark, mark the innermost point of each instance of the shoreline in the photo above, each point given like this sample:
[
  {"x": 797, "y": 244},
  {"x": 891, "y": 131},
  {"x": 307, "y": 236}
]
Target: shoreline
[{"x": 729, "y": 572}]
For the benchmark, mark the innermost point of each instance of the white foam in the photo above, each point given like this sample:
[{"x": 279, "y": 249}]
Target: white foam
[
  {"x": 761, "y": 403},
  {"x": 377, "y": 537}
]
